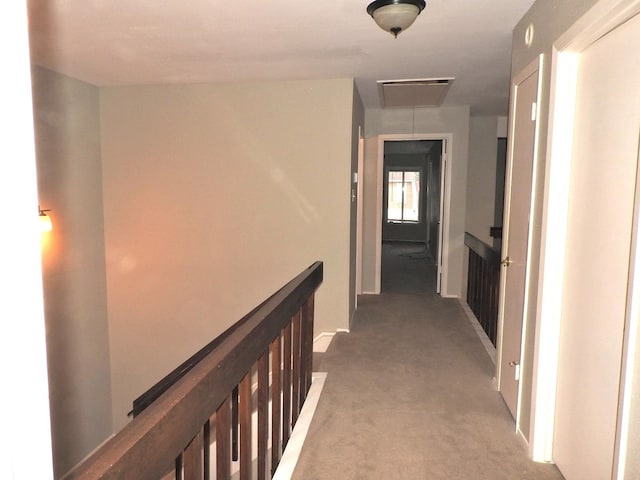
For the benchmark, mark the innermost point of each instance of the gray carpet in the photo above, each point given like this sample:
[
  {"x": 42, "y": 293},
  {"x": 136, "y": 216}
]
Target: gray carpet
[
  {"x": 409, "y": 395},
  {"x": 407, "y": 268}
]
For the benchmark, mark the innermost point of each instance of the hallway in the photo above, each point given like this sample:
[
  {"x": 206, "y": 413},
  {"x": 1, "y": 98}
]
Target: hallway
[
  {"x": 407, "y": 268},
  {"x": 409, "y": 395}
]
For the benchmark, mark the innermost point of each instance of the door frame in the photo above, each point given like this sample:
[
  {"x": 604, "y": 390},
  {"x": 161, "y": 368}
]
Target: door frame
[
  {"x": 445, "y": 203},
  {"x": 359, "y": 186},
  {"x": 526, "y": 72},
  {"x": 604, "y": 16}
]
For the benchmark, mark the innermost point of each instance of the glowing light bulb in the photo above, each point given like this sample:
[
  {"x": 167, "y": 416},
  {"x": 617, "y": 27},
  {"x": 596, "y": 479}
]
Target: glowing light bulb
[{"x": 45, "y": 221}]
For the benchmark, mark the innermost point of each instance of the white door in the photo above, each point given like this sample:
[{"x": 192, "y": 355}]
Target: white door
[
  {"x": 602, "y": 189},
  {"x": 515, "y": 248}
]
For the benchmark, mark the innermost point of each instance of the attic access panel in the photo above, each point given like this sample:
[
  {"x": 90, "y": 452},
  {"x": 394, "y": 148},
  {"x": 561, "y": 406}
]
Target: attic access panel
[{"x": 424, "y": 92}]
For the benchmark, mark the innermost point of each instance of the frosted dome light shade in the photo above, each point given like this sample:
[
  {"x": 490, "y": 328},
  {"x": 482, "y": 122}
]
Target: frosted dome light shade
[{"x": 395, "y": 16}]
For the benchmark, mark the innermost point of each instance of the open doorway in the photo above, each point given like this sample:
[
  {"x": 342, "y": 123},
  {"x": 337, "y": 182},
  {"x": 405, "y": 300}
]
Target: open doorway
[{"x": 411, "y": 215}]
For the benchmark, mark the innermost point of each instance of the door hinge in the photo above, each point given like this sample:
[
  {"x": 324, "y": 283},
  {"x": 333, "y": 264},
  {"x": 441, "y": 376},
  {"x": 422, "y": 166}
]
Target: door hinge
[
  {"x": 516, "y": 370},
  {"x": 534, "y": 111}
]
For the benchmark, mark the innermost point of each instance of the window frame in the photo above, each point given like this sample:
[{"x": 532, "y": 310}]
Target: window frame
[{"x": 404, "y": 170}]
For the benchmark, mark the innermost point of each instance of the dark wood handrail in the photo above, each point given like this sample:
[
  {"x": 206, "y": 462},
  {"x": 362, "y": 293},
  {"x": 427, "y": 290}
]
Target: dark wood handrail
[
  {"x": 485, "y": 251},
  {"x": 147, "y": 447}
]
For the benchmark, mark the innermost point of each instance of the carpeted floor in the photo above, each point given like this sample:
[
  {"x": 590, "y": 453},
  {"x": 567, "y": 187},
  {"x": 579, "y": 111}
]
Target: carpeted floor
[
  {"x": 409, "y": 395},
  {"x": 407, "y": 268}
]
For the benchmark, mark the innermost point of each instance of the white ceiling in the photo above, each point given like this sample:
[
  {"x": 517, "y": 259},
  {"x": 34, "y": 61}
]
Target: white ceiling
[{"x": 117, "y": 42}]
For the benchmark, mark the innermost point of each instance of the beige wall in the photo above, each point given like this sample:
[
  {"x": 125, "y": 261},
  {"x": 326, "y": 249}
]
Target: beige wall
[
  {"x": 369, "y": 217},
  {"x": 67, "y": 127},
  {"x": 215, "y": 195},
  {"x": 446, "y": 120},
  {"x": 481, "y": 176}
]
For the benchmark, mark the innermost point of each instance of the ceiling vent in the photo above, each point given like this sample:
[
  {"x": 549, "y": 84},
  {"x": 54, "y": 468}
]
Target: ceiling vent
[{"x": 424, "y": 92}]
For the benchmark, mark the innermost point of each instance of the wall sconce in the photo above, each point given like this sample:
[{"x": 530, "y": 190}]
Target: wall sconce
[{"x": 45, "y": 220}]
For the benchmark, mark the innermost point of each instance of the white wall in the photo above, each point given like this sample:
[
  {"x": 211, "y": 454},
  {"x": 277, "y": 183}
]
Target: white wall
[
  {"x": 215, "y": 195},
  {"x": 446, "y": 120},
  {"x": 67, "y": 125},
  {"x": 25, "y": 441}
]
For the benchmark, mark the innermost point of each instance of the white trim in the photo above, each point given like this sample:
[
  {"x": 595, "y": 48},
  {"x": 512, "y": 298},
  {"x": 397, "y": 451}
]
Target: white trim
[
  {"x": 359, "y": 186},
  {"x": 552, "y": 254},
  {"x": 630, "y": 347},
  {"x": 484, "y": 339},
  {"x": 322, "y": 341},
  {"x": 444, "y": 209},
  {"x": 291, "y": 454},
  {"x": 445, "y": 199}
]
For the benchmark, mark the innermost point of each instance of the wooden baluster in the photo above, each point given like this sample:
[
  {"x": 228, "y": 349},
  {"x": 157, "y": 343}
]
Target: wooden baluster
[
  {"x": 234, "y": 424},
  {"x": 286, "y": 387},
  {"x": 206, "y": 432},
  {"x": 192, "y": 459},
  {"x": 276, "y": 395},
  {"x": 472, "y": 273},
  {"x": 482, "y": 290},
  {"x": 470, "y": 280},
  {"x": 223, "y": 434},
  {"x": 179, "y": 467},
  {"x": 303, "y": 355},
  {"x": 244, "y": 411},
  {"x": 309, "y": 344},
  {"x": 295, "y": 405},
  {"x": 496, "y": 301},
  {"x": 263, "y": 414},
  {"x": 476, "y": 288}
]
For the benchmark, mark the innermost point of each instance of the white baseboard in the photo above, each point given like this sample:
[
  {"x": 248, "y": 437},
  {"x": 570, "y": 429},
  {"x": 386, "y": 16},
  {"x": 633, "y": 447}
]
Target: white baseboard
[
  {"x": 486, "y": 342},
  {"x": 291, "y": 454},
  {"x": 322, "y": 341}
]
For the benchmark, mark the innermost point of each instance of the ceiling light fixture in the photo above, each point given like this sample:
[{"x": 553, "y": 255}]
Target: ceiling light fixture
[{"x": 395, "y": 16}]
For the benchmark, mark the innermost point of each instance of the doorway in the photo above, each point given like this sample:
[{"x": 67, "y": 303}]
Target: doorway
[
  {"x": 411, "y": 201},
  {"x": 437, "y": 236},
  {"x": 520, "y": 182},
  {"x": 594, "y": 296}
]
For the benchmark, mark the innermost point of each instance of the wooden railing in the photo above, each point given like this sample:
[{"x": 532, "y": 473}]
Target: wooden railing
[
  {"x": 171, "y": 437},
  {"x": 483, "y": 284}
]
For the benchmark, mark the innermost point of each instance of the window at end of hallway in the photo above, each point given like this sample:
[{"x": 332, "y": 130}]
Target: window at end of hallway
[{"x": 403, "y": 200}]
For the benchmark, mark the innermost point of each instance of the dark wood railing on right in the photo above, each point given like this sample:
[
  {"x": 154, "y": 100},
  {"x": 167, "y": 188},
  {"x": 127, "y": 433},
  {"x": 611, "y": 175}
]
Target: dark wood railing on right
[
  {"x": 169, "y": 437},
  {"x": 483, "y": 284}
]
